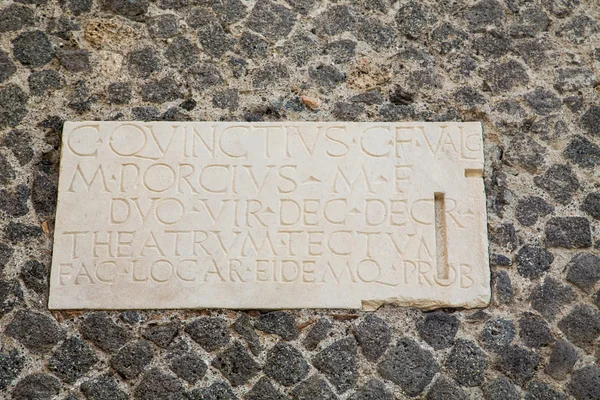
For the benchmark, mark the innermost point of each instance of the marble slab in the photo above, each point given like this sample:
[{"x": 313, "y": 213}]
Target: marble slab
[{"x": 270, "y": 215}]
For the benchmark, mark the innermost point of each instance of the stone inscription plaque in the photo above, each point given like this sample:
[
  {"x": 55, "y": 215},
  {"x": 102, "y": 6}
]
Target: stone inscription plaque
[{"x": 270, "y": 215}]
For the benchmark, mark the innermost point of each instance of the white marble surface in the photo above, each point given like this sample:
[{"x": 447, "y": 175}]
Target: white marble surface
[{"x": 270, "y": 215}]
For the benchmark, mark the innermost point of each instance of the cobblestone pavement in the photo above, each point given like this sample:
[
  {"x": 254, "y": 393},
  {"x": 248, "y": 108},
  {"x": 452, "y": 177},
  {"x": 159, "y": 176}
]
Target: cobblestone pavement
[{"x": 527, "y": 69}]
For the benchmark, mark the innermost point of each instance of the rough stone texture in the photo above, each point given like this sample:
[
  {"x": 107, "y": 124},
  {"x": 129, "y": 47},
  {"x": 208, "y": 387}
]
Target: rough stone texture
[
  {"x": 409, "y": 366},
  {"x": 584, "y": 271},
  {"x": 104, "y": 387},
  {"x": 285, "y": 364},
  {"x": 467, "y": 363},
  {"x": 317, "y": 333},
  {"x": 104, "y": 332},
  {"x": 313, "y": 388},
  {"x": 338, "y": 362},
  {"x": 500, "y": 389},
  {"x": 210, "y": 333},
  {"x": 132, "y": 359},
  {"x": 279, "y": 323},
  {"x": 372, "y": 390},
  {"x": 162, "y": 334},
  {"x": 568, "y": 232},
  {"x": 38, "y": 332},
  {"x": 585, "y": 383},
  {"x": 550, "y": 51},
  {"x": 189, "y": 367},
  {"x": 36, "y": 386},
  {"x": 72, "y": 360},
  {"x": 373, "y": 336},
  {"x": 438, "y": 329},
  {"x": 562, "y": 360},
  {"x": 236, "y": 364},
  {"x": 581, "y": 326},
  {"x": 534, "y": 331},
  {"x": 264, "y": 390},
  {"x": 156, "y": 384}
]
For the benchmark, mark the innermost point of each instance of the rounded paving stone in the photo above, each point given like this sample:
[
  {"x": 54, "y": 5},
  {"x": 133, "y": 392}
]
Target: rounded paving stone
[
  {"x": 438, "y": 329},
  {"x": 210, "y": 333},
  {"x": 584, "y": 271},
  {"x": 408, "y": 366},
  {"x": 498, "y": 333},
  {"x": 585, "y": 383},
  {"x": 338, "y": 362},
  {"x": 534, "y": 331},
  {"x": 285, "y": 364},
  {"x": 33, "y": 49},
  {"x": 132, "y": 359},
  {"x": 36, "y": 386},
  {"x": 466, "y": 363},
  {"x": 279, "y": 323},
  {"x": 72, "y": 360},
  {"x": 38, "y": 332}
]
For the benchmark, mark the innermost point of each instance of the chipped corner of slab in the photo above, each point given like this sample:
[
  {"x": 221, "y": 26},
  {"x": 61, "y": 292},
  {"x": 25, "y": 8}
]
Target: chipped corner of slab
[{"x": 270, "y": 215}]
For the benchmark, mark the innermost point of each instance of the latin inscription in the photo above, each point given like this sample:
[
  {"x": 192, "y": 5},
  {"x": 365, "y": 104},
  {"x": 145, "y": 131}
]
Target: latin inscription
[{"x": 163, "y": 215}]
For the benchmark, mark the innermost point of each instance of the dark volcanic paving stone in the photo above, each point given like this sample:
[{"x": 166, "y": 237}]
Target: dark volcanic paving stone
[
  {"x": 104, "y": 332},
  {"x": 585, "y": 383},
  {"x": 33, "y": 49},
  {"x": 338, "y": 362},
  {"x": 534, "y": 331},
  {"x": 540, "y": 391},
  {"x": 162, "y": 334},
  {"x": 36, "y": 387},
  {"x": 74, "y": 60},
  {"x": 317, "y": 333},
  {"x": 34, "y": 275},
  {"x": 583, "y": 152},
  {"x": 38, "y": 332},
  {"x": 529, "y": 209},
  {"x": 132, "y": 359},
  {"x": 104, "y": 387},
  {"x": 584, "y": 271},
  {"x": 466, "y": 363},
  {"x": 438, "y": 329},
  {"x": 373, "y": 336},
  {"x": 559, "y": 181},
  {"x": 533, "y": 261},
  {"x": 372, "y": 390},
  {"x": 14, "y": 17},
  {"x": 408, "y": 366},
  {"x": 562, "y": 359},
  {"x": 236, "y": 364},
  {"x": 591, "y": 205},
  {"x": 272, "y": 20},
  {"x": 518, "y": 363},
  {"x": 11, "y": 364},
  {"x": 500, "y": 389},
  {"x": 285, "y": 364},
  {"x": 156, "y": 385},
  {"x": 568, "y": 232},
  {"x": 498, "y": 333},
  {"x": 591, "y": 120},
  {"x": 581, "y": 326},
  {"x": 13, "y": 106},
  {"x": 264, "y": 390},
  {"x": 72, "y": 360},
  {"x": 445, "y": 388},
  {"x": 7, "y": 67},
  {"x": 189, "y": 367},
  {"x": 314, "y": 388},
  {"x": 549, "y": 297},
  {"x": 279, "y": 323},
  {"x": 244, "y": 328},
  {"x": 210, "y": 333},
  {"x": 216, "y": 391}
]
